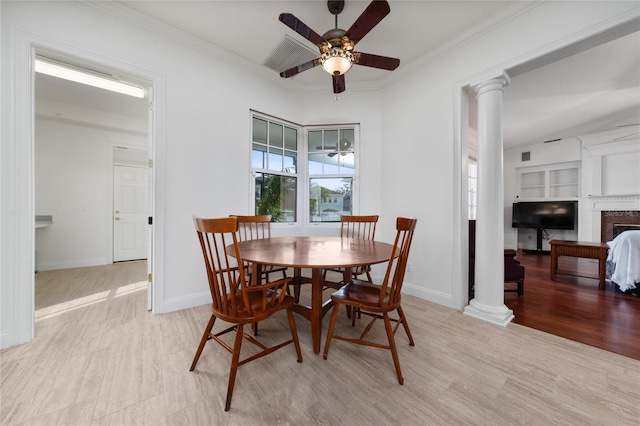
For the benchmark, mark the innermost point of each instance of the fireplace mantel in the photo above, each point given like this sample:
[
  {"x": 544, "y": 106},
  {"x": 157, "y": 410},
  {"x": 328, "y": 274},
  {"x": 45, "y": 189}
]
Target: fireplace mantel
[{"x": 614, "y": 202}]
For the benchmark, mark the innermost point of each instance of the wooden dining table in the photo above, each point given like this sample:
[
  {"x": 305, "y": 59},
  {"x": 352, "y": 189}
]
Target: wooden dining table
[{"x": 316, "y": 253}]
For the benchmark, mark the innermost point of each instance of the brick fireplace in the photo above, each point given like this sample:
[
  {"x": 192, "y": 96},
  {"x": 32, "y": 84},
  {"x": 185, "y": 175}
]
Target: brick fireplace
[{"x": 621, "y": 219}]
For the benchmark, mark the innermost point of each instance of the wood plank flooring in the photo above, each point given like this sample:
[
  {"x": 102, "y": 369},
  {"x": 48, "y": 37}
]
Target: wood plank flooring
[
  {"x": 100, "y": 358},
  {"x": 575, "y": 308}
]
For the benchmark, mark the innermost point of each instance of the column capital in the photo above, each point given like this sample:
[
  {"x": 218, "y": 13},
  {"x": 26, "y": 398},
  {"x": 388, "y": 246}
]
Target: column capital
[{"x": 495, "y": 83}]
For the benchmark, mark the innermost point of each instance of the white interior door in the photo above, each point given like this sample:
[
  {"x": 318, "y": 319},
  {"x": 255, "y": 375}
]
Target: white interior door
[{"x": 130, "y": 212}]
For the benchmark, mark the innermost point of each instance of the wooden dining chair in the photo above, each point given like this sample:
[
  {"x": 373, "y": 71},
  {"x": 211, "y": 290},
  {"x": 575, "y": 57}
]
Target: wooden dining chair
[
  {"x": 377, "y": 301},
  {"x": 234, "y": 301},
  {"x": 258, "y": 227},
  {"x": 351, "y": 226},
  {"x": 357, "y": 227}
]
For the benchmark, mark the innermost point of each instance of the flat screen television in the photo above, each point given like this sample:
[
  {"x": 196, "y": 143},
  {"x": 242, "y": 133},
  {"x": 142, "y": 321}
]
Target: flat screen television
[{"x": 544, "y": 214}]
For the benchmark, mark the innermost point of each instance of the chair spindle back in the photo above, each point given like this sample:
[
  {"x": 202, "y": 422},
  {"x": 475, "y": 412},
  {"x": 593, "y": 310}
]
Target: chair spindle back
[
  {"x": 394, "y": 277},
  {"x": 358, "y": 227},
  {"x": 254, "y": 227},
  {"x": 225, "y": 278}
]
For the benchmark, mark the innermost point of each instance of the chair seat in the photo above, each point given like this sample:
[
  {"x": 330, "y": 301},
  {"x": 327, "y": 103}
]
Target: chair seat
[
  {"x": 363, "y": 295},
  {"x": 258, "y": 312}
]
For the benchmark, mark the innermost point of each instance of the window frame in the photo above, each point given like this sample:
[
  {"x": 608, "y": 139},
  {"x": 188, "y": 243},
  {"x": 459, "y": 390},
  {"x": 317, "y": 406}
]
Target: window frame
[
  {"x": 355, "y": 190},
  {"x": 302, "y": 174}
]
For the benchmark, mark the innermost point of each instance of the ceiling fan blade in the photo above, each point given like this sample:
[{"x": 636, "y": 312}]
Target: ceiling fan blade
[
  {"x": 332, "y": 154},
  {"x": 302, "y": 67},
  {"x": 372, "y": 15},
  {"x": 301, "y": 28},
  {"x": 339, "y": 84},
  {"x": 376, "y": 61}
]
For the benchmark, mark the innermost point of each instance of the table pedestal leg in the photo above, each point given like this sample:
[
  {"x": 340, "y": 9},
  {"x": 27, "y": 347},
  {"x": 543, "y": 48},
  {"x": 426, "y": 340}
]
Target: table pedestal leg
[{"x": 316, "y": 308}]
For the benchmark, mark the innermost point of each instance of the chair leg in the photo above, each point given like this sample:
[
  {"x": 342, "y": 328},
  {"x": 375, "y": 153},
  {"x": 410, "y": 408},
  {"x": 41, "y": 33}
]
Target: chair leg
[
  {"x": 332, "y": 324},
  {"x": 205, "y": 337},
  {"x": 294, "y": 333},
  {"x": 234, "y": 365},
  {"x": 405, "y": 324},
  {"x": 392, "y": 346},
  {"x": 297, "y": 276}
]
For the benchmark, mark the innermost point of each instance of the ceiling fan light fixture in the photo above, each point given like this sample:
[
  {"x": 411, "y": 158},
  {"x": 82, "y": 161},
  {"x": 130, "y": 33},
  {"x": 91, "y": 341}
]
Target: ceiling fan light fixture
[{"x": 337, "y": 61}]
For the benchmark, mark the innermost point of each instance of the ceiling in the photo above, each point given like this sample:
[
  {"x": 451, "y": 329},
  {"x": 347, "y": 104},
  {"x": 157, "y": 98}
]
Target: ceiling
[{"x": 591, "y": 87}]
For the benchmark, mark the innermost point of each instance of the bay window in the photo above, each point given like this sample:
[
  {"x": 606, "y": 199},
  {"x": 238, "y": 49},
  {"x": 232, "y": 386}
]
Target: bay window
[{"x": 314, "y": 191}]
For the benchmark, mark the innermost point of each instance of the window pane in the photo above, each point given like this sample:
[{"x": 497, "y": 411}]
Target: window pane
[
  {"x": 329, "y": 198},
  {"x": 347, "y": 164},
  {"x": 259, "y": 130},
  {"x": 331, "y": 165},
  {"x": 276, "y": 195},
  {"x": 315, "y": 141},
  {"x": 348, "y": 134},
  {"x": 259, "y": 156},
  {"x": 290, "y": 162},
  {"x": 315, "y": 164},
  {"x": 290, "y": 138},
  {"x": 276, "y": 135},
  {"x": 275, "y": 159},
  {"x": 330, "y": 140}
]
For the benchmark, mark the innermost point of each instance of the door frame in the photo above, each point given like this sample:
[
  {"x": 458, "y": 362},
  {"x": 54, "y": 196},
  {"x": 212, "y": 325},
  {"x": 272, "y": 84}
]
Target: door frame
[{"x": 24, "y": 48}]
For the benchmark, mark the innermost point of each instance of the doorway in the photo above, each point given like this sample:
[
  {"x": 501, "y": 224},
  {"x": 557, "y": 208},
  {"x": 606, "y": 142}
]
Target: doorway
[{"x": 75, "y": 166}]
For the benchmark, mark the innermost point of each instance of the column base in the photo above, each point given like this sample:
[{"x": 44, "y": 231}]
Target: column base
[{"x": 500, "y": 315}]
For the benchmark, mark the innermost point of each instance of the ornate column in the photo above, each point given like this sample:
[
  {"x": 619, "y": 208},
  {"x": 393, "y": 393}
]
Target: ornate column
[{"x": 488, "y": 302}]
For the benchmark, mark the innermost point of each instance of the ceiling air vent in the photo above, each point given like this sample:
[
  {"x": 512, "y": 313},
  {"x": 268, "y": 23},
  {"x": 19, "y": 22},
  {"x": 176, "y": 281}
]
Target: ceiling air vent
[
  {"x": 288, "y": 54},
  {"x": 526, "y": 156}
]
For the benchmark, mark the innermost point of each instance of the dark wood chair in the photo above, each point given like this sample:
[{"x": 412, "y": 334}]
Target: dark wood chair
[
  {"x": 351, "y": 226},
  {"x": 513, "y": 271},
  {"x": 378, "y": 301},
  {"x": 257, "y": 227},
  {"x": 358, "y": 227},
  {"x": 234, "y": 301}
]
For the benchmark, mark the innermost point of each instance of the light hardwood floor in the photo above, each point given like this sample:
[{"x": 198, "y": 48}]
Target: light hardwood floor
[{"x": 99, "y": 357}]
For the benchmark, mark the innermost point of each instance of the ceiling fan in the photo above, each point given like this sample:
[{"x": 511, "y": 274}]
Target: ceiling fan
[
  {"x": 342, "y": 148},
  {"x": 336, "y": 45}
]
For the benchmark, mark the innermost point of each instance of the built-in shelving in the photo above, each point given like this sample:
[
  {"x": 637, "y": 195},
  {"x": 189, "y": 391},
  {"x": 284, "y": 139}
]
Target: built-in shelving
[{"x": 550, "y": 182}]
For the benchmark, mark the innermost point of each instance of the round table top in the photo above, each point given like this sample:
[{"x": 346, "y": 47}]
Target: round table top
[{"x": 315, "y": 252}]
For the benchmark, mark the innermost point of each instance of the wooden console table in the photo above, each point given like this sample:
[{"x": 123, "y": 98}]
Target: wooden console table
[{"x": 579, "y": 249}]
